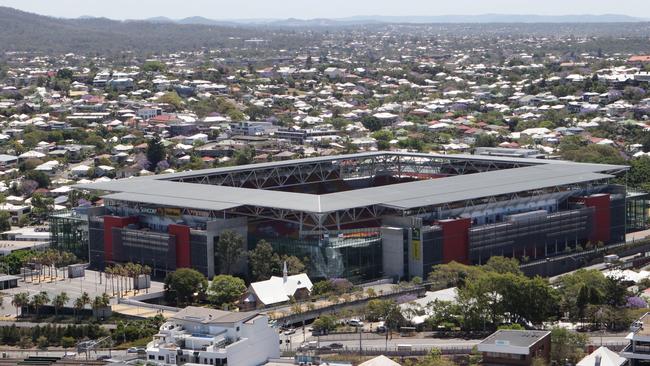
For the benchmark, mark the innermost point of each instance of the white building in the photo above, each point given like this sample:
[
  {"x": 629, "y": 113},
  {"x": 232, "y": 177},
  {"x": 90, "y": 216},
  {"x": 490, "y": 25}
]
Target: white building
[
  {"x": 277, "y": 290},
  {"x": 214, "y": 337},
  {"x": 637, "y": 352}
]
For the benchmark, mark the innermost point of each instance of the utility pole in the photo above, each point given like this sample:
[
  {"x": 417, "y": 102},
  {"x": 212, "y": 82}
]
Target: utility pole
[{"x": 360, "y": 337}]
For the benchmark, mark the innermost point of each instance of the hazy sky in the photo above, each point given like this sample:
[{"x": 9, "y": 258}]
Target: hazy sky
[{"x": 237, "y": 9}]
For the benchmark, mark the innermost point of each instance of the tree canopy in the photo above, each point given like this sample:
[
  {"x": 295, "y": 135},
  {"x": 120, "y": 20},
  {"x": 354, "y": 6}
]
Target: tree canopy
[
  {"x": 225, "y": 290},
  {"x": 230, "y": 249},
  {"x": 185, "y": 286}
]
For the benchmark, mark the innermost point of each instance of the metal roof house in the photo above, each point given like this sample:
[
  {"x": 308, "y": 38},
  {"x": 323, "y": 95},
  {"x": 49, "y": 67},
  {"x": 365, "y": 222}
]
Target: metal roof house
[{"x": 515, "y": 347}]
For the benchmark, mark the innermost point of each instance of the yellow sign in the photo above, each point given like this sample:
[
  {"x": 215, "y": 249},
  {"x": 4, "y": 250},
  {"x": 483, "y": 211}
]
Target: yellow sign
[{"x": 415, "y": 250}]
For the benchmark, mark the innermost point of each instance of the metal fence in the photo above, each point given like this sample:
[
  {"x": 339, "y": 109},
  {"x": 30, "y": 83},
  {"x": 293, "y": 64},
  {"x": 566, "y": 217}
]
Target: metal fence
[
  {"x": 393, "y": 351},
  {"x": 350, "y": 336}
]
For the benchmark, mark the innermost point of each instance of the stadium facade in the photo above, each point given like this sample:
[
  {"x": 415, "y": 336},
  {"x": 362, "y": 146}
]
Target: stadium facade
[{"x": 361, "y": 216}]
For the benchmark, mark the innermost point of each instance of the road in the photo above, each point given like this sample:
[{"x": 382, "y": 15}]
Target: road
[
  {"x": 4, "y": 323},
  {"x": 598, "y": 266},
  {"x": 429, "y": 343},
  {"x": 120, "y": 355}
]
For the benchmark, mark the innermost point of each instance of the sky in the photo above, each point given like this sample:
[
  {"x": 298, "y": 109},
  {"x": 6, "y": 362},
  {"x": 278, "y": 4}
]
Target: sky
[{"x": 307, "y": 9}]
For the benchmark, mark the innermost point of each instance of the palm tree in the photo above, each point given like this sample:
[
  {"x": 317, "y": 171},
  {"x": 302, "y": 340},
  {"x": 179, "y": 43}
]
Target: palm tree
[
  {"x": 109, "y": 273},
  {"x": 81, "y": 302},
  {"x": 146, "y": 270},
  {"x": 118, "y": 269},
  {"x": 78, "y": 306},
  {"x": 101, "y": 301},
  {"x": 39, "y": 300},
  {"x": 128, "y": 270},
  {"x": 47, "y": 259},
  {"x": 59, "y": 301},
  {"x": 106, "y": 299},
  {"x": 85, "y": 298},
  {"x": 20, "y": 300}
]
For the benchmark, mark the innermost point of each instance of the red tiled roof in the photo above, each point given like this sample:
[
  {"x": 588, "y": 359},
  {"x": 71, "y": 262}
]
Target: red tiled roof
[{"x": 639, "y": 58}]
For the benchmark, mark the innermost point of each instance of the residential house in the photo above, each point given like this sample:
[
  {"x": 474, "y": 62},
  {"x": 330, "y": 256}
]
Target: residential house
[
  {"x": 515, "y": 347},
  {"x": 277, "y": 290},
  {"x": 214, "y": 337}
]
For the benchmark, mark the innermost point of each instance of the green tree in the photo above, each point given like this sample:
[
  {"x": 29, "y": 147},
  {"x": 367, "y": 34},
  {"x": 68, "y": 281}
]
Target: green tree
[
  {"x": 38, "y": 300},
  {"x": 42, "y": 206},
  {"x": 294, "y": 265},
  {"x": 173, "y": 99},
  {"x": 600, "y": 154},
  {"x": 39, "y": 177},
  {"x": 324, "y": 324},
  {"x": 25, "y": 342},
  {"x": 81, "y": 302},
  {"x": 59, "y": 302},
  {"x": 453, "y": 274},
  {"x": 485, "y": 140},
  {"x": 68, "y": 342},
  {"x": 5, "y": 221},
  {"x": 378, "y": 309},
  {"x": 434, "y": 358},
  {"x": 154, "y": 66},
  {"x": 579, "y": 289},
  {"x": 372, "y": 123},
  {"x": 321, "y": 288},
  {"x": 101, "y": 301},
  {"x": 185, "y": 286},
  {"x": 261, "y": 260},
  {"x": 503, "y": 265},
  {"x": 64, "y": 74},
  {"x": 639, "y": 174},
  {"x": 155, "y": 152},
  {"x": 539, "y": 361},
  {"x": 42, "y": 342},
  {"x": 567, "y": 345},
  {"x": 230, "y": 249},
  {"x": 244, "y": 156},
  {"x": 20, "y": 300},
  {"x": 443, "y": 313},
  {"x": 225, "y": 290}
]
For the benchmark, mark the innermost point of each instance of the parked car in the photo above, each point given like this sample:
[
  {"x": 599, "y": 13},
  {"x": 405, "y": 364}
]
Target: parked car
[
  {"x": 336, "y": 345},
  {"x": 381, "y": 327},
  {"x": 355, "y": 323},
  {"x": 132, "y": 350},
  {"x": 289, "y": 332}
]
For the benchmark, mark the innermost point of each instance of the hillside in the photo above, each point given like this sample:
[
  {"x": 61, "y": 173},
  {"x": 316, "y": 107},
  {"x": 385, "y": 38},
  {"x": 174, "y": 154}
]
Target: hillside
[{"x": 23, "y": 31}]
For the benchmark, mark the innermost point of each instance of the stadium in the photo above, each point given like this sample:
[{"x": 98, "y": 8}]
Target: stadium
[{"x": 361, "y": 216}]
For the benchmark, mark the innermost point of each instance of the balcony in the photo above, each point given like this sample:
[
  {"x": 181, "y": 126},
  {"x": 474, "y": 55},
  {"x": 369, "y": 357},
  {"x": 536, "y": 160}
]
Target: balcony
[{"x": 639, "y": 353}]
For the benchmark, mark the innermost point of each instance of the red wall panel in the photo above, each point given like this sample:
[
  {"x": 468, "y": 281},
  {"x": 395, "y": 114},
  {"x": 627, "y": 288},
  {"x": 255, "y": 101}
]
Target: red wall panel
[
  {"x": 109, "y": 223},
  {"x": 601, "y": 226},
  {"x": 182, "y": 234},
  {"x": 455, "y": 240}
]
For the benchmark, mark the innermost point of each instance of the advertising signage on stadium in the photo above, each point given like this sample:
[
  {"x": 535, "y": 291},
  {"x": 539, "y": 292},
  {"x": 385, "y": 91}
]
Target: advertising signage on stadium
[{"x": 171, "y": 211}]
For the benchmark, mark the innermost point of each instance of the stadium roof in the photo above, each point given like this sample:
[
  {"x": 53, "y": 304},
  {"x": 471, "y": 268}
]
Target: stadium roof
[
  {"x": 531, "y": 161},
  {"x": 541, "y": 174}
]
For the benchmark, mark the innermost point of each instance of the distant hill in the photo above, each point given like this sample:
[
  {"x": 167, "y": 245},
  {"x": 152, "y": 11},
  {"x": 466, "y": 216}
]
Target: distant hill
[
  {"x": 362, "y": 20},
  {"x": 205, "y": 21},
  {"x": 501, "y": 18},
  {"x": 22, "y": 31},
  {"x": 160, "y": 20}
]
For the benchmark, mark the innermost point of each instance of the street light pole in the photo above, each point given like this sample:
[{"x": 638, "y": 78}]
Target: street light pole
[{"x": 360, "y": 336}]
